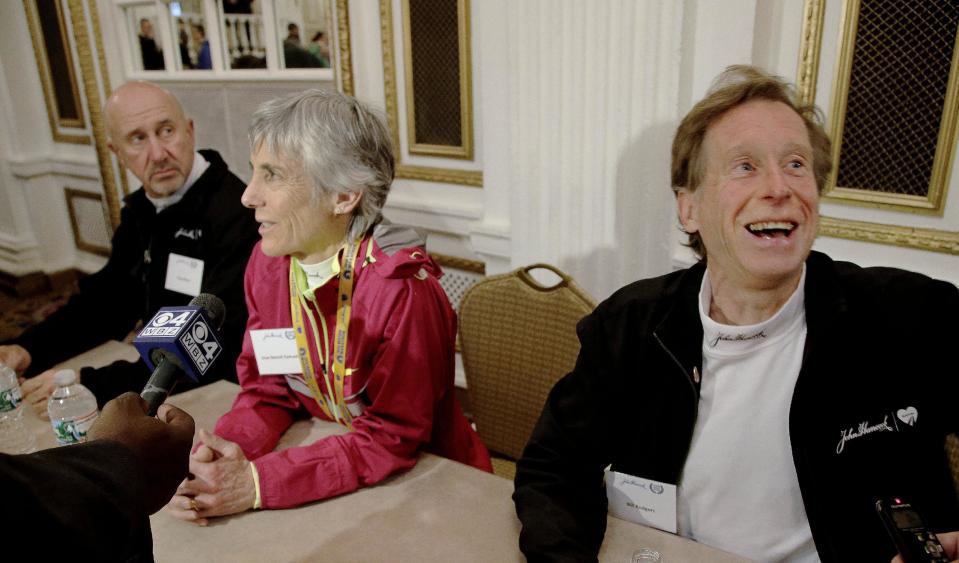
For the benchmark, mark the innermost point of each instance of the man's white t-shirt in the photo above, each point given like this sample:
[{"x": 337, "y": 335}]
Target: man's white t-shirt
[{"x": 739, "y": 491}]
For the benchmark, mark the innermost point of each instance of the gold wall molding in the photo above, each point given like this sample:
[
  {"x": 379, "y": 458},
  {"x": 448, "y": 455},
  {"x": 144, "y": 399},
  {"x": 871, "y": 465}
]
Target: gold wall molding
[
  {"x": 909, "y": 237},
  {"x": 933, "y": 240},
  {"x": 345, "y": 70},
  {"x": 46, "y": 82},
  {"x": 426, "y": 173},
  {"x": 91, "y": 89},
  {"x": 814, "y": 13},
  {"x": 465, "y": 149},
  {"x": 105, "y": 75},
  {"x": 389, "y": 72},
  {"x": 472, "y": 178}
]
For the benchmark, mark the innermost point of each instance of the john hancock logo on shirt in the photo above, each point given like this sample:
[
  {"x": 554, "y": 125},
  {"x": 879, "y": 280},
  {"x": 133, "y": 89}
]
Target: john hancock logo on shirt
[{"x": 908, "y": 416}]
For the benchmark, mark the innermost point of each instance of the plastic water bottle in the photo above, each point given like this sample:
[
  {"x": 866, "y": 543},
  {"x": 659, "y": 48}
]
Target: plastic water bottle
[
  {"x": 14, "y": 438},
  {"x": 72, "y": 408}
]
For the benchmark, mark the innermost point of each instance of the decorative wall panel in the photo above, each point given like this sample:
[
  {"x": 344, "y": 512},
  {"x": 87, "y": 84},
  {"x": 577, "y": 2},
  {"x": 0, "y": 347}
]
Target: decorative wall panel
[
  {"x": 391, "y": 53},
  {"x": 88, "y": 221},
  {"x": 893, "y": 116},
  {"x": 49, "y": 32},
  {"x": 437, "y": 63}
]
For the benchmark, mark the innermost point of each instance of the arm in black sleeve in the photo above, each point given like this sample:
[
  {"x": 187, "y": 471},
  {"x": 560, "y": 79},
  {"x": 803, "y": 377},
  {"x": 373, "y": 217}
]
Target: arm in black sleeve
[
  {"x": 223, "y": 277},
  {"x": 84, "y": 502},
  {"x": 949, "y": 304},
  {"x": 946, "y": 303},
  {"x": 560, "y": 497},
  {"x": 107, "y": 307}
]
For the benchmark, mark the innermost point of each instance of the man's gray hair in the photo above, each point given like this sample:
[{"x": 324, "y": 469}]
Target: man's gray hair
[{"x": 342, "y": 144}]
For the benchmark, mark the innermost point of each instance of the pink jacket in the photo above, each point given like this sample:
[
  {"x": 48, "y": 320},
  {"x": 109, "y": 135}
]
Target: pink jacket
[{"x": 401, "y": 353}]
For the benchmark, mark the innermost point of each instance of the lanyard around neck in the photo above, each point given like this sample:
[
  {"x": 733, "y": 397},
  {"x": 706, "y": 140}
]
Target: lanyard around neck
[{"x": 333, "y": 403}]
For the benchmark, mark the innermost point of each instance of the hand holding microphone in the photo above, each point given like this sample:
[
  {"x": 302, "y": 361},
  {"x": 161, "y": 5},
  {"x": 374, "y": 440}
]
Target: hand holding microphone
[
  {"x": 161, "y": 444},
  {"x": 180, "y": 341}
]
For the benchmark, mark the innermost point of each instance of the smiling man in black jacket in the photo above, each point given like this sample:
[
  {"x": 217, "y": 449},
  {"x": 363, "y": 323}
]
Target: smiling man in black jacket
[
  {"x": 184, "y": 232},
  {"x": 763, "y": 400}
]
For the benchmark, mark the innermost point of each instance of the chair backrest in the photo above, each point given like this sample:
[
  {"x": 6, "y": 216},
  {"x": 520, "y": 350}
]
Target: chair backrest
[
  {"x": 952, "y": 455},
  {"x": 518, "y": 338}
]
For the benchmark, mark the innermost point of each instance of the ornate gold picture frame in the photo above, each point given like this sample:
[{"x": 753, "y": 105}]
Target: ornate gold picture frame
[
  {"x": 93, "y": 70},
  {"x": 932, "y": 203},
  {"x": 928, "y": 198},
  {"x": 50, "y": 36},
  {"x": 75, "y": 198},
  {"x": 403, "y": 170},
  {"x": 429, "y": 85},
  {"x": 343, "y": 66}
]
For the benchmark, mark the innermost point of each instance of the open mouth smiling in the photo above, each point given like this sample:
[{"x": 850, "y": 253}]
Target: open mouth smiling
[{"x": 771, "y": 229}]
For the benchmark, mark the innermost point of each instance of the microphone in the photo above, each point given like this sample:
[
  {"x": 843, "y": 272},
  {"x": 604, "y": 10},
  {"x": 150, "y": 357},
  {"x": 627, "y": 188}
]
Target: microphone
[{"x": 179, "y": 341}]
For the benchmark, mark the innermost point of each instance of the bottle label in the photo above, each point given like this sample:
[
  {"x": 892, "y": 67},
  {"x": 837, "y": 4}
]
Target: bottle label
[
  {"x": 10, "y": 398},
  {"x": 73, "y": 431}
]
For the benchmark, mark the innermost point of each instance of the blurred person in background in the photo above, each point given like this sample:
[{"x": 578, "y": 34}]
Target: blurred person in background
[
  {"x": 320, "y": 48},
  {"x": 203, "y": 59},
  {"x": 151, "y": 54}
]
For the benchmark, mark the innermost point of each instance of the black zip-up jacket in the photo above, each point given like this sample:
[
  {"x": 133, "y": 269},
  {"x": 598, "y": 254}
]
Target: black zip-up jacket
[
  {"x": 209, "y": 224},
  {"x": 879, "y": 340}
]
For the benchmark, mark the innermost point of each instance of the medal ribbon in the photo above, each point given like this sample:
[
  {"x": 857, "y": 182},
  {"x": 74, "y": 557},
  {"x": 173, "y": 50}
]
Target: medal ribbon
[{"x": 333, "y": 403}]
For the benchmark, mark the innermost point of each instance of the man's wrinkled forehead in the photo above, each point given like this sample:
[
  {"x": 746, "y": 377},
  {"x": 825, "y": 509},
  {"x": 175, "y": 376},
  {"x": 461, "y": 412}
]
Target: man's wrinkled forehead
[
  {"x": 740, "y": 140},
  {"x": 136, "y": 106}
]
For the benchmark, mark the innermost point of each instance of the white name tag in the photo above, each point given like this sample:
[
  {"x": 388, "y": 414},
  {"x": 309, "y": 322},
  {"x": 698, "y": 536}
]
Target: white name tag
[
  {"x": 642, "y": 501},
  {"x": 275, "y": 350},
  {"x": 184, "y": 274}
]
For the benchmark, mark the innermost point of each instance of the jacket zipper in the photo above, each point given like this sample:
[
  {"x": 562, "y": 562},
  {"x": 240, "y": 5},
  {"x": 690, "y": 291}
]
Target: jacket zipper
[{"x": 692, "y": 387}]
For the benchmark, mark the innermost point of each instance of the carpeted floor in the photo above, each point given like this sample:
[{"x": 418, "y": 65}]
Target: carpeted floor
[{"x": 16, "y": 314}]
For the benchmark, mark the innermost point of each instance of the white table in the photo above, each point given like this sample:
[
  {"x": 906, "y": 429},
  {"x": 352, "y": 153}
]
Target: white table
[{"x": 440, "y": 510}]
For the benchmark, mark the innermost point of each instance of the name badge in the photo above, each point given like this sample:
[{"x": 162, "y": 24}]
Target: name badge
[
  {"x": 642, "y": 501},
  {"x": 184, "y": 274},
  {"x": 275, "y": 351}
]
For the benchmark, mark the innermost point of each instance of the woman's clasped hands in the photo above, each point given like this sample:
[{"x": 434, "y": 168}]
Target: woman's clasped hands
[{"x": 220, "y": 482}]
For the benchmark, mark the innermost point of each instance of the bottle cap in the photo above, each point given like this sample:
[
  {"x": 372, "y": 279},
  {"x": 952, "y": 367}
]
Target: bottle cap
[{"x": 65, "y": 377}]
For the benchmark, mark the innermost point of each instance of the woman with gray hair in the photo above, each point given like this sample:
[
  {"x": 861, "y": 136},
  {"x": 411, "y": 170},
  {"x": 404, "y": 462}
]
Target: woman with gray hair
[{"x": 355, "y": 299}]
